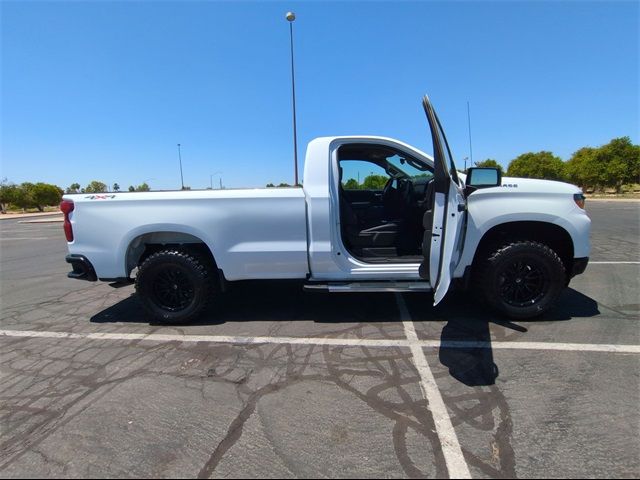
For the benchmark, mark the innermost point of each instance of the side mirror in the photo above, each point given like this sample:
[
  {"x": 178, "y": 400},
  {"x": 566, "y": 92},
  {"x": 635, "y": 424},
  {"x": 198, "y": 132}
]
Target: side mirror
[{"x": 483, "y": 177}]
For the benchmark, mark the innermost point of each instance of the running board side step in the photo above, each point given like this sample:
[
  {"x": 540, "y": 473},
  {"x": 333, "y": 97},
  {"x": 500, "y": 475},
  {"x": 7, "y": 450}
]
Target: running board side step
[{"x": 362, "y": 287}]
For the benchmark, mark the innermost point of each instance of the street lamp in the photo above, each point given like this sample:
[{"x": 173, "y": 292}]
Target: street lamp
[
  {"x": 469, "y": 123},
  {"x": 211, "y": 179},
  {"x": 290, "y": 18},
  {"x": 180, "y": 159}
]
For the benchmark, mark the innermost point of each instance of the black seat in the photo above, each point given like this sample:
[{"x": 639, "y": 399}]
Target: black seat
[
  {"x": 356, "y": 233},
  {"x": 360, "y": 235}
]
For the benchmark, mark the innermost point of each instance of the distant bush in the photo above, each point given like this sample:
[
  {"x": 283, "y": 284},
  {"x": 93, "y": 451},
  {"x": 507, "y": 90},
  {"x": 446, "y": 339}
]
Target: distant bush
[
  {"x": 490, "y": 162},
  {"x": 29, "y": 195},
  {"x": 96, "y": 187},
  {"x": 537, "y": 165},
  {"x": 371, "y": 182},
  {"x": 609, "y": 166}
]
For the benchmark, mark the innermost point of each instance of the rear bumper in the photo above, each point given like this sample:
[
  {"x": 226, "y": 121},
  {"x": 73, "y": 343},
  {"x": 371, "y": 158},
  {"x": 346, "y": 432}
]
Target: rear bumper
[
  {"x": 579, "y": 266},
  {"x": 82, "y": 268}
]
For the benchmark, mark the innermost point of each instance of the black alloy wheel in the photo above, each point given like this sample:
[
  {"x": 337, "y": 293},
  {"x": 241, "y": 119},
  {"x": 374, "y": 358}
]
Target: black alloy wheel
[
  {"x": 523, "y": 282},
  {"x": 173, "y": 290},
  {"x": 521, "y": 279},
  {"x": 174, "y": 286}
]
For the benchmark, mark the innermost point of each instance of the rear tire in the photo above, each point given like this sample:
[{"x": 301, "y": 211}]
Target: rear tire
[
  {"x": 522, "y": 279},
  {"x": 174, "y": 286}
]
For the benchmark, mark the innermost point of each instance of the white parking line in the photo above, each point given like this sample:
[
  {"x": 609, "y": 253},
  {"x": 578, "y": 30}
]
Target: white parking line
[
  {"x": 158, "y": 337},
  {"x": 456, "y": 464},
  {"x": 615, "y": 263},
  {"x": 343, "y": 342},
  {"x": 563, "y": 347}
]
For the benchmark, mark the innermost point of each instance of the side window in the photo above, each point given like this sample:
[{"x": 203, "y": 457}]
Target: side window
[{"x": 362, "y": 175}]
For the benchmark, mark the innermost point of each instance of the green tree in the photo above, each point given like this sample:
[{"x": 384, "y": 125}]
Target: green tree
[
  {"x": 537, "y": 165},
  {"x": 24, "y": 196},
  {"x": 73, "y": 188},
  {"x": 96, "y": 187},
  {"x": 610, "y": 165},
  {"x": 116, "y": 187},
  {"x": 374, "y": 182},
  {"x": 132, "y": 188},
  {"x": 490, "y": 162},
  {"x": 583, "y": 169},
  {"x": 21, "y": 198},
  {"x": 8, "y": 194},
  {"x": 270, "y": 185},
  {"x": 143, "y": 188},
  {"x": 44, "y": 194},
  {"x": 283, "y": 184},
  {"x": 352, "y": 184},
  {"x": 620, "y": 160}
]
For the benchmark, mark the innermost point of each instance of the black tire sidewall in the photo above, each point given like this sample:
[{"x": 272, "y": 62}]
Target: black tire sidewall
[
  {"x": 195, "y": 271},
  {"x": 545, "y": 258}
]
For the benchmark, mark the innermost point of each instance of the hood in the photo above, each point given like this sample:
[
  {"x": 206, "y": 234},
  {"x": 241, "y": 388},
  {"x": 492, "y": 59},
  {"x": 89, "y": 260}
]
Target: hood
[
  {"x": 532, "y": 185},
  {"x": 535, "y": 185}
]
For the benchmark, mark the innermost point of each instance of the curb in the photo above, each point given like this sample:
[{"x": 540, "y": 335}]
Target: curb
[
  {"x": 601, "y": 199},
  {"x": 44, "y": 220},
  {"x": 13, "y": 216}
]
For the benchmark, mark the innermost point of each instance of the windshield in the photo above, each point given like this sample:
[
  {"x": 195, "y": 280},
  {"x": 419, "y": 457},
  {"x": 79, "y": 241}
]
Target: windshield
[{"x": 409, "y": 167}]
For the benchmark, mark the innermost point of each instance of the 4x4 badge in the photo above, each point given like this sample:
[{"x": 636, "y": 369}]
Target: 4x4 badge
[{"x": 99, "y": 197}]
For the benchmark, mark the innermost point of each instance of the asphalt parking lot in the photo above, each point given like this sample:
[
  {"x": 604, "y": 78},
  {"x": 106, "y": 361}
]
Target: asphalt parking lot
[{"x": 274, "y": 382}]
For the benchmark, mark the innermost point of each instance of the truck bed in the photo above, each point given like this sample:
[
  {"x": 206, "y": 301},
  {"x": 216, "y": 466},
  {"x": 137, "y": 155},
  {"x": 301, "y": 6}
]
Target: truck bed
[{"x": 253, "y": 234}]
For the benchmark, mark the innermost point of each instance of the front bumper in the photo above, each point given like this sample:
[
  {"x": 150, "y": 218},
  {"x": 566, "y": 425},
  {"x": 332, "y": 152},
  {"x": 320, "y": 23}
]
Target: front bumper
[{"x": 82, "y": 268}]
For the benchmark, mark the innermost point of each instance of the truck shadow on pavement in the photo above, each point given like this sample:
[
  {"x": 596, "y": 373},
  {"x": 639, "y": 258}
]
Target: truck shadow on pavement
[
  {"x": 474, "y": 365},
  {"x": 465, "y": 320}
]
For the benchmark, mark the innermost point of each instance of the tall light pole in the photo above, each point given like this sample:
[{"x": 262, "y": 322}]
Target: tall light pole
[
  {"x": 180, "y": 159},
  {"x": 211, "y": 179},
  {"x": 290, "y": 18},
  {"x": 469, "y": 123}
]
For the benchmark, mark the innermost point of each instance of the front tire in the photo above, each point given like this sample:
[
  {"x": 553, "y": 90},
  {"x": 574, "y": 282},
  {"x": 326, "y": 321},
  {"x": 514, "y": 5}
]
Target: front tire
[
  {"x": 522, "y": 279},
  {"x": 174, "y": 286}
]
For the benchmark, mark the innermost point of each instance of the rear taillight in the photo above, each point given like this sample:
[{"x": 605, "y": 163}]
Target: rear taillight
[
  {"x": 579, "y": 198},
  {"x": 67, "y": 207}
]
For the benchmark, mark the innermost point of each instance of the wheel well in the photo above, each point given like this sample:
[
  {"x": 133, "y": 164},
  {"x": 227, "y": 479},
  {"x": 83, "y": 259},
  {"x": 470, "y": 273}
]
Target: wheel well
[
  {"x": 555, "y": 237},
  {"x": 145, "y": 245}
]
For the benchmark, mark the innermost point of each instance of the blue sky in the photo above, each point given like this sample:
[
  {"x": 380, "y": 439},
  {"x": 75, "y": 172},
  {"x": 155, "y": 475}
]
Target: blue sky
[{"x": 105, "y": 90}]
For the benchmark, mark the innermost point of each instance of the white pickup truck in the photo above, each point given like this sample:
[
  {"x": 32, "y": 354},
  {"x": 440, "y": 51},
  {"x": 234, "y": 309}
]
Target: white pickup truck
[{"x": 515, "y": 241}]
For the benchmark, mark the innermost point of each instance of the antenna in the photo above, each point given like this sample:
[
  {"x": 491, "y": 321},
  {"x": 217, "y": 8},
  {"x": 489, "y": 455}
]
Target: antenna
[
  {"x": 180, "y": 159},
  {"x": 470, "y": 147}
]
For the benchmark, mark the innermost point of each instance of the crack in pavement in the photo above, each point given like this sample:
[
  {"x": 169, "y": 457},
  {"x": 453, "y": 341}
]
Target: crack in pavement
[{"x": 83, "y": 382}]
